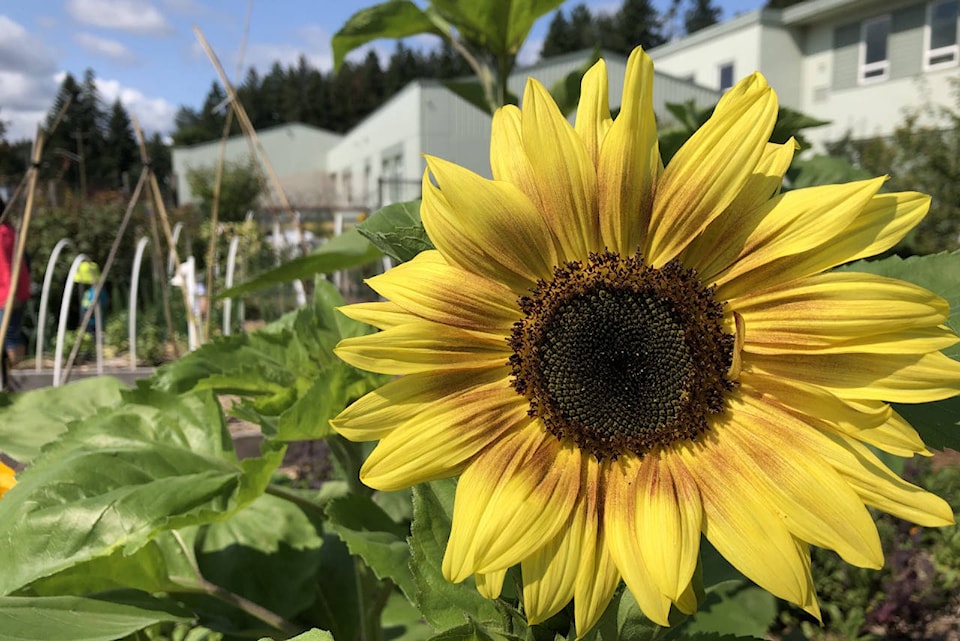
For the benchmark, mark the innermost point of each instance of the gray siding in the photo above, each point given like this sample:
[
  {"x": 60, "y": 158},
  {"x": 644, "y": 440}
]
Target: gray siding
[
  {"x": 906, "y": 41},
  {"x": 904, "y": 47},
  {"x": 846, "y": 55}
]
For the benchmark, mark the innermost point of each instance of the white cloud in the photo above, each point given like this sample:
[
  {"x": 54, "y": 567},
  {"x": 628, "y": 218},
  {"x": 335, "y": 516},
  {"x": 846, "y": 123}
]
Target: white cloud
[
  {"x": 132, "y": 16},
  {"x": 27, "y": 83},
  {"x": 21, "y": 52},
  {"x": 105, "y": 47},
  {"x": 154, "y": 114}
]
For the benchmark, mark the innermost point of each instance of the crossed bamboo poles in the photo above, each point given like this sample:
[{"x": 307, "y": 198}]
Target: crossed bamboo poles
[{"x": 266, "y": 173}]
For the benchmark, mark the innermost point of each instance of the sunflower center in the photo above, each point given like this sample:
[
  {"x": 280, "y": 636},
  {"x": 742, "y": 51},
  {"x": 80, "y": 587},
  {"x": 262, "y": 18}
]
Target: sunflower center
[{"x": 621, "y": 357}]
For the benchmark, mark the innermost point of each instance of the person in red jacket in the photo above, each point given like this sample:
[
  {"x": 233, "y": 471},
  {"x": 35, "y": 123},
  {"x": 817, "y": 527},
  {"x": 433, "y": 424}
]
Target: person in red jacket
[{"x": 14, "y": 342}]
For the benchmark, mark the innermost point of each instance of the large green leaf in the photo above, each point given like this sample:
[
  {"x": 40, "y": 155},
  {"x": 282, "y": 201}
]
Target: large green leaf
[
  {"x": 375, "y": 537},
  {"x": 30, "y": 420},
  {"x": 71, "y": 618},
  {"x": 443, "y": 604},
  {"x": 397, "y": 231},
  {"x": 113, "y": 481},
  {"x": 393, "y": 19},
  {"x": 497, "y": 26},
  {"x": 735, "y": 607},
  {"x": 633, "y": 625},
  {"x": 938, "y": 423},
  {"x": 311, "y": 635},
  {"x": 291, "y": 382},
  {"x": 823, "y": 170},
  {"x": 269, "y": 552},
  {"x": 348, "y": 250},
  {"x": 165, "y": 564}
]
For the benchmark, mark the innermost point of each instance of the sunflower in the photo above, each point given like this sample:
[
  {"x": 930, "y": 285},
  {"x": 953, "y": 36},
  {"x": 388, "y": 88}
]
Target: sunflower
[
  {"x": 7, "y": 479},
  {"x": 617, "y": 358}
]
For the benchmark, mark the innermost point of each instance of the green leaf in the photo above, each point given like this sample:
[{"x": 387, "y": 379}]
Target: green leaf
[
  {"x": 310, "y": 635},
  {"x": 442, "y": 603},
  {"x": 470, "y": 631},
  {"x": 342, "y": 252},
  {"x": 373, "y": 536},
  {"x": 165, "y": 564},
  {"x": 71, "y": 618},
  {"x": 287, "y": 372},
  {"x": 115, "y": 480},
  {"x": 394, "y": 19},
  {"x": 397, "y": 231},
  {"x": 735, "y": 608},
  {"x": 497, "y": 26},
  {"x": 938, "y": 423},
  {"x": 269, "y": 552},
  {"x": 823, "y": 170},
  {"x": 633, "y": 625},
  {"x": 47, "y": 412},
  {"x": 790, "y": 123}
]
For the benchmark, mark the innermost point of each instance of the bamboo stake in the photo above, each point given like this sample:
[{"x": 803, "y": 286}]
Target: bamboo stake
[
  {"x": 215, "y": 218},
  {"x": 98, "y": 288},
  {"x": 161, "y": 209},
  {"x": 251, "y": 134},
  {"x": 22, "y": 239},
  {"x": 146, "y": 161}
]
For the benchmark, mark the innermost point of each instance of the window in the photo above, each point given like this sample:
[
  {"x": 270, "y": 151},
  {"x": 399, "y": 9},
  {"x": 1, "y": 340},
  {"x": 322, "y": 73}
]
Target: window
[
  {"x": 874, "y": 61},
  {"x": 942, "y": 49},
  {"x": 726, "y": 76}
]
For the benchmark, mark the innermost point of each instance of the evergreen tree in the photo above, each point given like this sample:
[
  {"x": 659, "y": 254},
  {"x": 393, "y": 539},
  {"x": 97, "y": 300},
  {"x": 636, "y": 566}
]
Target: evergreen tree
[
  {"x": 637, "y": 23},
  {"x": 120, "y": 153},
  {"x": 558, "y": 39},
  {"x": 583, "y": 29},
  {"x": 700, "y": 15}
]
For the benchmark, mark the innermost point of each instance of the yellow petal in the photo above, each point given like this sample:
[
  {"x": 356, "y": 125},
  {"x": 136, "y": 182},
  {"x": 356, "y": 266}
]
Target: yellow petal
[
  {"x": 597, "y": 577},
  {"x": 593, "y": 111},
  {"x": 444, "y": 437},
  {"x": 717, "y": 246},
  {"x": 885, "y": 220},
  {"x": 742, "y": 527},
  {"x": 793, "y": 223},
  {"x": 382, "y": 315},
  {"x": 840, "y": 310},
  {"x": 620, "y": 519},
  {"x": 7, "y": 479},
  {"x": 873, "y": 481},
  {"x": 422, "y": 346},
  {"x": 431, "y": 288},
  {"x": 878, "y": 487},
  {"x": 895, "y": 436},
  {"x": 711, "y": 168},
  {"x": 803, "y": 491},
  {"x": 486, "y": 227},
  {"x": 629, "y": 163},
  {"x": 513, "y": 497},
  {"x": 508, "y": 158},
  {"x": 550, "y": 573},
  {"x": 490, "y": 584},
  {"x": 402, "y": 400},
  {"x": 896, "y": 378},
  {"x": 565, "y": 175},
  {"x": 669, "y": 515}
]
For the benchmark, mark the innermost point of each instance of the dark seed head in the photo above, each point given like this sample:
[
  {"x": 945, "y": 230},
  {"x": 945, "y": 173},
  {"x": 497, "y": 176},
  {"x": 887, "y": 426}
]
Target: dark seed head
[{"x": 621, "y": 357}]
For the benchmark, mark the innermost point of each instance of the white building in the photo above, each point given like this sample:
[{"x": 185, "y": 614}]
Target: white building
[
  {"x": 856, "y": 63},
  {"x": 380, "y": 160},
  {"x": 297, "y": 152}
]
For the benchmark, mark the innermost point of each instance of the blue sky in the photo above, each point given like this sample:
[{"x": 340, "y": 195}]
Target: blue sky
[{"x": 145, "y": 53}]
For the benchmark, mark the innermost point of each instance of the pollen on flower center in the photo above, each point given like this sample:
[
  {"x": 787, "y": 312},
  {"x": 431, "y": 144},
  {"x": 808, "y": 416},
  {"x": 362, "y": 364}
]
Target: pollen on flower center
[{"x": 622, "y": 357}]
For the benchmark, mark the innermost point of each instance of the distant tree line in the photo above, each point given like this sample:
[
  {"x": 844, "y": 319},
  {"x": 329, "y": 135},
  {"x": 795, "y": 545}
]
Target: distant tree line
[
  {"x": 303, "y": 93},
  {"x": 92, "y": 149}
]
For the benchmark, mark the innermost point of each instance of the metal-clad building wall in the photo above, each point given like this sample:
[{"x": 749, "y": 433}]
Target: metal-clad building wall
[
  {"x": 384, "y": 146},
  {"x": 455, "y": 130},
  {"x": 294, "y": 150}
]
